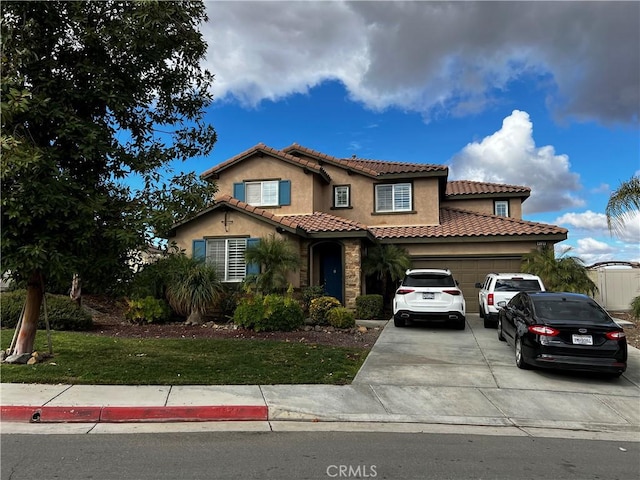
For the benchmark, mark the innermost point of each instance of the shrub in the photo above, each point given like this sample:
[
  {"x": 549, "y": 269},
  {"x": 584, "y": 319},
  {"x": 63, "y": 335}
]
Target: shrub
[
  {"x": 228, "y": 299},
  {"x": 341, "y": 317},
  {"x": 280, "y": 314},
  {"x": 149, "y": 310},
  {"x": 310, "y": 293},
  {"x": 635, "y": 307},
  {"x": 249, "y": 310},
  {"x": 63, "y": 313},
  {"x": 369, "y": 306},
  {"x": 271, "y": 313},
  {"x": 320, "y": 307}
]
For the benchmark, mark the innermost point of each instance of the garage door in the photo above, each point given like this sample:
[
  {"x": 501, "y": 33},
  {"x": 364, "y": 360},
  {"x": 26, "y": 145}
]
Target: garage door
[{"x": 469, "y": 270}]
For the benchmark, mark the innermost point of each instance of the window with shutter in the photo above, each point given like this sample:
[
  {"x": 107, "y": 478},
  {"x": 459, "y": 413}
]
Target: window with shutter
[
  {"x": 393, "y": 197},
  {"x": 227, "y": 257}
]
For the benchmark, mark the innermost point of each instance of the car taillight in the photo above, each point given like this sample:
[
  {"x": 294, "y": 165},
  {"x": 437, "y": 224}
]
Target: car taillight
[
  {"x": 452, "y": 292},
  {"x": 615, "y": 335},
  {"x": 404, "y": 291},
  {"x": 490, "y": 299},
  {"x": 544, "y": 330}
]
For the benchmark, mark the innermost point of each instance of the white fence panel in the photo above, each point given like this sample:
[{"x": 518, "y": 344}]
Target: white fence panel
[{"x": 616, "y": 287}]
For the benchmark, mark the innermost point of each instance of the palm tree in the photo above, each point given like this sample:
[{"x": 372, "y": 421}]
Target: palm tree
[
  {"x": 625, "y": 199},
  {"x": 562, "y": 274},
  {"x": 386, "y": 261},
  {"x": 276, "y": 258},
  {"x": 192, "y": 288}
]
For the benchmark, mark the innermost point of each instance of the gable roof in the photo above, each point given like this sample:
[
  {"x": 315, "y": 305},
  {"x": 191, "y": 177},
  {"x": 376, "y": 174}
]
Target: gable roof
[
  {"x": 470, "y": 189},
  {"x": 455, "y": 222},
  {"x": 261, "y": 148},
  {"x": 371, "y": 168}
]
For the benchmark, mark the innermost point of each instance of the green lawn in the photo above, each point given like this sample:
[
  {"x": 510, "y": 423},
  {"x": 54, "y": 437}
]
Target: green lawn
[{"x": 89, "y": 359}]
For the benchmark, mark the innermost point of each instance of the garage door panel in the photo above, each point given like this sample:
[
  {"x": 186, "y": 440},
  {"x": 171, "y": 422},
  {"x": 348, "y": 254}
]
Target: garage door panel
[{"x": 468, "y": 271}]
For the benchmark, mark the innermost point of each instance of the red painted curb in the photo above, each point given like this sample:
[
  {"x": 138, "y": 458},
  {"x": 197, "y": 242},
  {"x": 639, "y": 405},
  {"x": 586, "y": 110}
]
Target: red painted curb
[
  {"x": 50, "y": 414},
  {"x": 18, "y": 413},
  {"x": 184, "y": 413}
]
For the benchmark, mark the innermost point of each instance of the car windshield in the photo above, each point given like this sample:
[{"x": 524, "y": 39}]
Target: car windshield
[
  {"x": 428, "y": 280},
  {"x": 570, "y": 311},
  {"x": 517, "y": 285}
]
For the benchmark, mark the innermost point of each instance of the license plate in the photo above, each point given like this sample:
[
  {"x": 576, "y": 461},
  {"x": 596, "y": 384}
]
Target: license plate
[
  {"x": 582, "y": 340},
  {"x": 428, "y": 296}
]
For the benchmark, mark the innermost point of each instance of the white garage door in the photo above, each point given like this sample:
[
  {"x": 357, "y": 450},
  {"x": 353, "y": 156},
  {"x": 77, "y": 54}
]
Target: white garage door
[{"x": 469, "y": 270}]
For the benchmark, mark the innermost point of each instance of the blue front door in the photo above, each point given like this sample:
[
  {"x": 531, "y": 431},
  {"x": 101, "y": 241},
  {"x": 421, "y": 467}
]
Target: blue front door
[{"x": 331, "y": 270}]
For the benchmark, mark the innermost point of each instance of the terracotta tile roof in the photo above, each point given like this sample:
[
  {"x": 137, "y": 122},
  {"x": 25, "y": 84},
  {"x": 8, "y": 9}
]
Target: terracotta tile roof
[
  {"x": 311, "y": 223},
  {"x": 467, "y": 187},
  {"x": 323, "y": 222},
  {"x": 462, "y": 223},
  {"x": 261, "y": 147},
  {"x": 374, "y": 168}
]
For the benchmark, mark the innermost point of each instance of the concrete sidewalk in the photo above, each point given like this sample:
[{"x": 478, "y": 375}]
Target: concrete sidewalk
[{"x": 413, "y": 375}]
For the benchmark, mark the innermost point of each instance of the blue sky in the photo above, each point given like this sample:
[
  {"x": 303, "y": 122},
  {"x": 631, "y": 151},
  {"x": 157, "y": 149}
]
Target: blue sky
[{"x": 543, "y": 94}]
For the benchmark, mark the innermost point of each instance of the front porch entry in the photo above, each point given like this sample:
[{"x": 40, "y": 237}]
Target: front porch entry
[{"x": 327, "y": 267}]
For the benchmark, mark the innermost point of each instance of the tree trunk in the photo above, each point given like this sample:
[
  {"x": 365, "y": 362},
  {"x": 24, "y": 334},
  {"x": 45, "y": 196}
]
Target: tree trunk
[
  {"x": 76, "y": 290},
  {"x": 29, "y": 326}
]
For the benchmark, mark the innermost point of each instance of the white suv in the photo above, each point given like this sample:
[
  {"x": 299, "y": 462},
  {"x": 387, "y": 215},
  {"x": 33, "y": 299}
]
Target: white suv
[
  {"x": 429, "y": 294},
  {"x": 502, "y": 287}
]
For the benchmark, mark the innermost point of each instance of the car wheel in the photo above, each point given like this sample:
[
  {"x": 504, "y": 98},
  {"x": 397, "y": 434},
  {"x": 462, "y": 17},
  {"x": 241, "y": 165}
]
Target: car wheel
[
  {"x": 500, "y": 334},
  {"x": 481, "y": 311},
  {"x": 399, "y": 322},
  {"x": 461, "y": 324},
  {"x": 520, "y": 363},
  {"x": 488, "y": 323}
]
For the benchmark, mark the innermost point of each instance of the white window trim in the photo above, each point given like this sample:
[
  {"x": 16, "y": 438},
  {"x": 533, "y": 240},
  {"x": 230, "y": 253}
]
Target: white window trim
[
  {"x": 393, "y": 197},
  {"x": 335, "y": 196},
  {"x": 263, "y": 202},
  {"x": 224, "y": 276},
  {"x": 504, "y": 203}
]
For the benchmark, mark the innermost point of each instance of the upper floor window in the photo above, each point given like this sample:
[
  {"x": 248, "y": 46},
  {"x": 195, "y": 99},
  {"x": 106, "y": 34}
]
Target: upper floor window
[
  {"x": 262, "y": 193},
  {"x": 393, "y": 197},
  {"x": 341, "y": 196},
  {"x": 501, "y": 208}
]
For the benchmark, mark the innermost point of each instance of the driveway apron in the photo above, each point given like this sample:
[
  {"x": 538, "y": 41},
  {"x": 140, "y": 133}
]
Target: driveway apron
[{"x": 470, "y": 376}]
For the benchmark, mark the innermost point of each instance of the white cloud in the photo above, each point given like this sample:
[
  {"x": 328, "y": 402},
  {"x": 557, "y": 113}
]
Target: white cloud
[
  {"x": 586, "y": 220},
  {"x": 591, "y": 251},
  {"x": 511, "y": 156},
  {"x": 437, "y": 58}
]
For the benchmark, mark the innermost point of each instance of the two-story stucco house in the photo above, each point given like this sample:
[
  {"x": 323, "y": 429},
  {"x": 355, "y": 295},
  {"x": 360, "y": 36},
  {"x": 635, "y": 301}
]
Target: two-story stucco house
[{"x": 334, "y": 209}]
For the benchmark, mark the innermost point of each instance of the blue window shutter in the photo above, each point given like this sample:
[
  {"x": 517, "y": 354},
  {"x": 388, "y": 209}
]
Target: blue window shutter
[
  {"x": 238, "y": 191},
  {"x": 199, "y": 250},
  {"x": 284, "y": 192},
  {"x": 253, "y": 268}
]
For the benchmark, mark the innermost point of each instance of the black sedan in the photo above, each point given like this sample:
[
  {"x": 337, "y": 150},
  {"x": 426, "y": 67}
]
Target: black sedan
[{"x": 562, "y": 330}]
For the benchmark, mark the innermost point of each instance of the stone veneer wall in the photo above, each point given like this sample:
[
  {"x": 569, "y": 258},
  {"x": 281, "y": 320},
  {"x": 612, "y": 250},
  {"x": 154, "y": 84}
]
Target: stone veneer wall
[
  {"x": 352, "y": 269},
  {"x": 304, "y": 264}
]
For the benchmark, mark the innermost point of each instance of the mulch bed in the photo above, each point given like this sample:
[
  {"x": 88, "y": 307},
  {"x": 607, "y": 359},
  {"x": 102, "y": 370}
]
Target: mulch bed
[{"x": 109, "y": 320}]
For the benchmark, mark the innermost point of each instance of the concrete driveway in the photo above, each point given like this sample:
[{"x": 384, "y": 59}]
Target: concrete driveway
[{"x": 442, "y": 372}]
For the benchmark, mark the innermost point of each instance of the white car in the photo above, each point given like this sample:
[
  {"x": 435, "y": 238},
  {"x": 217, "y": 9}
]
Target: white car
[
  {"x": 502, "y": 287},
  {"x": 429, "y": 295}
]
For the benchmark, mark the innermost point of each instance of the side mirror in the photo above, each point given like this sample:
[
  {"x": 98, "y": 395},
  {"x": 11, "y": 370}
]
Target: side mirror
[
  {"x": 502, "y": 304},
  {"x": 478, "y": 285}
]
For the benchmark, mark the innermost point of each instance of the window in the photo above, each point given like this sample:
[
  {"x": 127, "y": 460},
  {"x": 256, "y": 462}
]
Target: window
[
  {"x": 501, "y": 208},
  {"x": 341, "y": 196},
  {"x": 393, "y": 198},
  {"x": 262, "y": 193},
  {"x": 227, "y": 257}
]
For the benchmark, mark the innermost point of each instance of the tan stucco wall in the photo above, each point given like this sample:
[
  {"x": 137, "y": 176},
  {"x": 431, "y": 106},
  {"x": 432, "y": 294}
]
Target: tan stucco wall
[
  {"x": 485, "y": 205},
  {"x": 211, "y": 225},
  {"x": 268, "y": 168},
  {"x": 469, "y": 248},
  {"x": 425, "y": 199}
]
